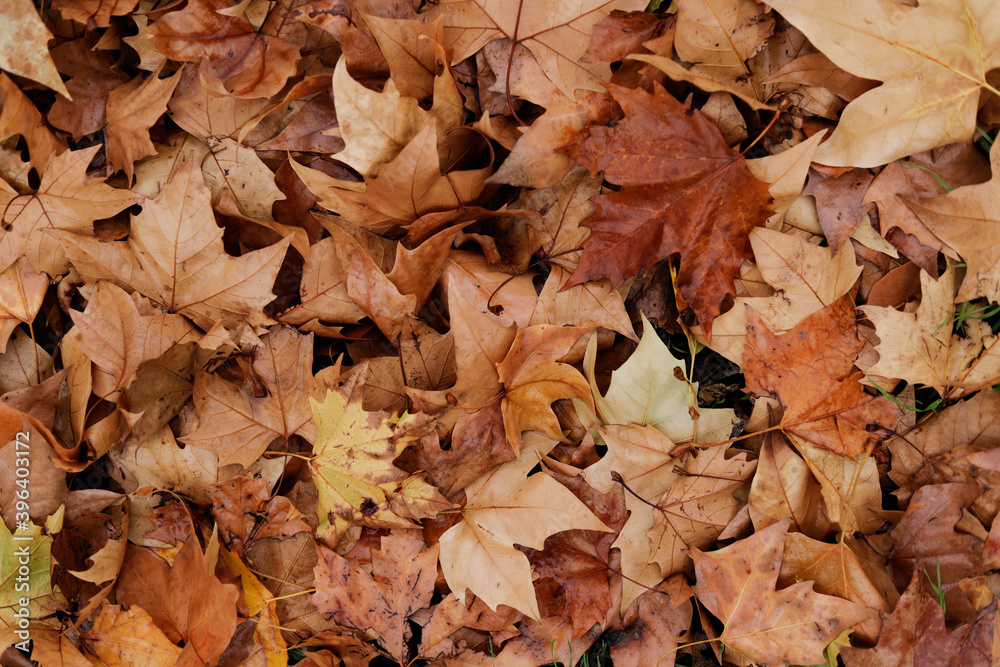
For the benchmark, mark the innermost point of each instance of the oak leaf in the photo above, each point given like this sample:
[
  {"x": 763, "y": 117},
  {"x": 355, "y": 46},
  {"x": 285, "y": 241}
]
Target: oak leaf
[
  {"x": 920, "y": 347},
  {"x": 195, "y": 277},
  {"x": 503, "y": 507},
  {"x": 762, "y": 624},
  {"x": 557, "y": 39},
  {"x": 694, "y": 195},
  {"x": 932, "y": 60},
  {"x": 401, "y": 582}
]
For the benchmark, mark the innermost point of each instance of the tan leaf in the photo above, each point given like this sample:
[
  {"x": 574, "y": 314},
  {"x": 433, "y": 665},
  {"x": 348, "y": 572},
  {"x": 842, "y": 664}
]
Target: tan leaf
[
  {"x": 67, "y": 199},
  {"x": 793, "y": 625},
  {"x": 920, "y": 347},
  {"x": 557, "y": 43},
  {"x": 503, "y": 507},
  {"x": 783, "y": 488},
  {"x": 24, "y": 45},
  {"x": 97, "y": 11},
  {"x": 19, "y": 116},
  {"x": 239, "y": 421},
  {"x": 132, "y": 109},
  {"x": 196, "y": 277}
]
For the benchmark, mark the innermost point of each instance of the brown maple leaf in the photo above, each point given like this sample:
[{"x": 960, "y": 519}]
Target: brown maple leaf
[
  {"x": 762, "y": 624},
  {"x": 809, "y": 369},
  {"x": 683, "y": 190}
]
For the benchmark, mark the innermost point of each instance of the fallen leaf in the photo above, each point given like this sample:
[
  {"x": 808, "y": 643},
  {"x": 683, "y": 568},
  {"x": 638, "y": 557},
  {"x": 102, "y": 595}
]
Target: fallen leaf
[
  {"x": 920, "y": 347},
  {"x": 132, "y": 108},
  {"x": 502, "y": 507},
  {"x": 793, "y": 625},
  {"x": 931, "y": 78},
  {"x": 196, "y": 278},
  {"x": 124, "y": 636},
  {"x": 24, "y": 45},
  {"x": 556, "y": 41},
  {"x": 400, "y": 583},
  {"x": 709, "y": 204}
]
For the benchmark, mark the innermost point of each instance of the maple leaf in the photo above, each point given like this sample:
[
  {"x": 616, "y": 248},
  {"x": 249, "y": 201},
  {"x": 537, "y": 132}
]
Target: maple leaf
[
  {"x": 646, "y": 389},
  {"x": 353, "y": 467},
  {"x": 67, "y": 199},
  {"x": 793, "y": 625},
  {"x": 115, "y": 638},
  {"x": 805, "y": 278},
  {"x": 174, "y": 256},
  {"x": 783, "y": 488},
  {"x": 557, "y": 39},
  {"x": 240, "y": 61},
  {"x": 932, "y": 60},
  {"x": 534, "y": 379},
  {"x": 503, "y": 507},
  {"x": 239, "y": 422},
  {"x": 183, "y": 599},
  {"x": 132, "y": 108},
  {"x": 920, "y": 347},
  {"x": 682, "y": 190},
  {"x": 400, "y": 583},
  {"x": 24, "y": 45},
  {"x": 965, "y": 220},
  {"x": 96, "y": 12},
  {"x": 118, "y": 338},
  {"x": 42, "y": 596},
  {"x": 809, "y": 369},
  {"x": 917, "y": 627},
  {"x": 245, "y": 511}
]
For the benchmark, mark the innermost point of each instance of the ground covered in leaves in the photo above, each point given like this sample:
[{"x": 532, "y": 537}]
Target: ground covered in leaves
[{"x": 460, "y": 332}]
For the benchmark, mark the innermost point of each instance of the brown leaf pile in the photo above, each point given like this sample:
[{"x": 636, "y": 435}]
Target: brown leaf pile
[{"x": 467, "y": 332}]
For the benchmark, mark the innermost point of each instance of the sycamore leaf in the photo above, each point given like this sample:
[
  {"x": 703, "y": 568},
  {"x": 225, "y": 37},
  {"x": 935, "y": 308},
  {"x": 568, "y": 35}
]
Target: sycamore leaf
[
  {"x": 353, "y": 467},
  {"x": 921, "y": 348},
  {"x": 534, "y": 379},
  {"x": 694, "y": 195},
  {"x": 242, "y": 62},
  {"x": 22, "y": 290},
  {"x": 24, "y": 45},
  {"x": 697, "y": 507},
  {"x": 19, "y": 116},
  {"x": 377, "y": 126},
  {"x": 764, "y": 625},
  {"x": 132, "y": 108},
  {"x": 783, "y": 488},
  {"x": 129, "y": 636},
  {"x": 400, "y": 583},
  {"x": 917, "y": 627},
  {"x": 558, "y": 39},
  {"x": 239, "y": 422},
  {"x": 37, "y": 586},
  {"x": 67, "y": 199},
  {"x": 97, "y": 11},
  {"x": 194, "y": 277},
  {"x": 965, "y": 219},
  {"x": 810, "y": 370},
  {"x": 804, "y": 277},
  {"x": 117, "y": 337},
  {"x": 584, "y": 305},
  {"x": 503, "y": 507},
  {"x": 931, "y": 58},
  {"x": 647, "y": 390}
]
